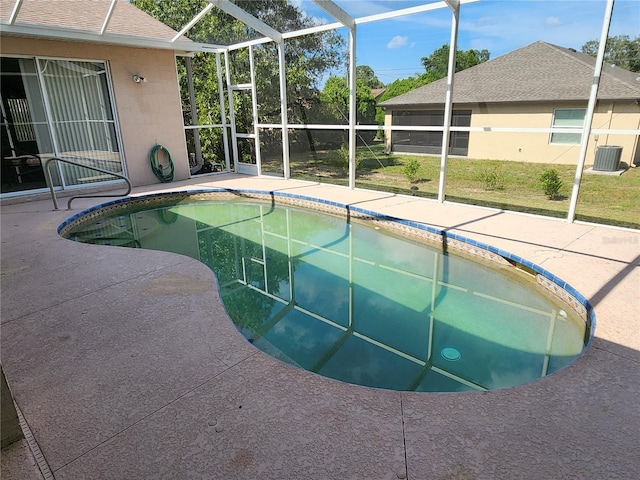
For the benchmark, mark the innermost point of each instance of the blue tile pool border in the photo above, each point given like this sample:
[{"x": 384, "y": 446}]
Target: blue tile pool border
[{"x": 447, "y": 240}]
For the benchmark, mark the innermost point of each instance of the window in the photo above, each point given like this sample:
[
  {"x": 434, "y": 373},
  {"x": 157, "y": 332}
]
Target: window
[
  {"x": 430, "y": 142},
  {"x": 568, "y": 118}
]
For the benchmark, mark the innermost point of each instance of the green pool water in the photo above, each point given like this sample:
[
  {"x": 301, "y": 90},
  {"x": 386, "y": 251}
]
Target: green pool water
[{"x": 357, "y": 304}]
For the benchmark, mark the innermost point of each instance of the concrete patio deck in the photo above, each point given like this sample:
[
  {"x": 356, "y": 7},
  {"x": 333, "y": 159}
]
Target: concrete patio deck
[{"x": 125, "y": 366}]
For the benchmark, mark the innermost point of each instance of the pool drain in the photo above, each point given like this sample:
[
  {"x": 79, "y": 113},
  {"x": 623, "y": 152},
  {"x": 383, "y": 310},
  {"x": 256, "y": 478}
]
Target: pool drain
[{"x": 450, "y": 354}]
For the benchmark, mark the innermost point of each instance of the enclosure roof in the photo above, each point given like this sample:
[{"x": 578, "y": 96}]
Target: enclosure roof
[{"x": 539, "y": 72}]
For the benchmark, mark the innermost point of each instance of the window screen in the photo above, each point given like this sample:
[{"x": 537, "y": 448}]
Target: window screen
[{"x": 568, "y": 118}]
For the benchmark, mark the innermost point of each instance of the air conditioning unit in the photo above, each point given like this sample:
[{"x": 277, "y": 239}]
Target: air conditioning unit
[{"x": 607, "y": 158}]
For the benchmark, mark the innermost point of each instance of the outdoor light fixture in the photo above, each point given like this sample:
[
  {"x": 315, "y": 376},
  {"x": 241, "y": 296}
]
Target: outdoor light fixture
[{"x": 139, "y": 79}]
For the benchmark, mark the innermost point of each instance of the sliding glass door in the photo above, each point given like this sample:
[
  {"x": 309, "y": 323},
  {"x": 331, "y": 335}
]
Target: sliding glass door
[
  {"x": 81, "y": 118},
  {"x": 61, "y": 108},
  {"x": 25, "y": 130}
]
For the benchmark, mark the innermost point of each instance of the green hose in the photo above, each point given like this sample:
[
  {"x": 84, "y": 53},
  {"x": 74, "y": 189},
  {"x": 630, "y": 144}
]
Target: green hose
[{"x": 163, "y": 172}]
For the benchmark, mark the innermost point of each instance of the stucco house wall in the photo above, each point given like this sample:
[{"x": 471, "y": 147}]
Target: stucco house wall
[
  {"x": 147, "y": 113},
  {"x": 536, "y": 147},
  {"x": 521, "y": 89}
]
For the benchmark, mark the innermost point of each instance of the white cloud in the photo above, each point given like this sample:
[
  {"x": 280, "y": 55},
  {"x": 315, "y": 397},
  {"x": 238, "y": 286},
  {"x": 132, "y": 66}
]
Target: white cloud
[
  {"x": 320, "y": 20},
  {"x": 552, "y": 21},
  {"x": 397, "y": 42},
  {"x": 486, "y": 21}
]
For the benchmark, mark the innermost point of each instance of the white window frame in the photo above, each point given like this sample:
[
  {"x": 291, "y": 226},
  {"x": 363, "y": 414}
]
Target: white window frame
[
  {"x": 60, "y": 181},
  {"x": 560, "y": 137}
]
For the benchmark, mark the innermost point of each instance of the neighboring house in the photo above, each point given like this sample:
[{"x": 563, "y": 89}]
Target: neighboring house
[
  {"x": 75, "y": 86},
  {"x": 537, "y": 86},
  {"x": 377, "y": 92}
]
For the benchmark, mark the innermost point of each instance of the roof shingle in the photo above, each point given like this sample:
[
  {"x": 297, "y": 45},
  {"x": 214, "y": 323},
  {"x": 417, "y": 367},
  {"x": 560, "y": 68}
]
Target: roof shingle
[
  {"x": 88, "y": 16},
  {"x": 536, "y": 73}
]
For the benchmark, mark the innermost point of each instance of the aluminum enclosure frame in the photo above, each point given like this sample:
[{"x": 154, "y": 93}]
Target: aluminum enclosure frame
[{"x": 184, "y": 47}]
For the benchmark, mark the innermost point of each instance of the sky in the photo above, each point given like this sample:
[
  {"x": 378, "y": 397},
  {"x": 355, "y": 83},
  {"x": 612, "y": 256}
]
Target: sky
[{"x": 393, "y": 48}]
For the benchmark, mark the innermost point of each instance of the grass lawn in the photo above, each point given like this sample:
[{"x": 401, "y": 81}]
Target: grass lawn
[{"x": 508, "y": 185}]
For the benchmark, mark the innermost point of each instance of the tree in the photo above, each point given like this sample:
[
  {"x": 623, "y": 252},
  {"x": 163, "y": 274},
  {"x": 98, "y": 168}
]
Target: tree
[
  {"x": 437, "y": 64},
  {"x": 398, "y": 87},
  {"x": 335, "y": 100},
  {"x": 619, "y": 50},
  {"x": 368, "y": 76},
  {"x": 307, "y": 58}
]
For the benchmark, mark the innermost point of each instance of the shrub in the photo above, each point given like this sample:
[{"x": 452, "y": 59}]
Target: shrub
[
  {"x": 411, "y": 169},
  {"x": 491, "y": 179},
  {"x": 341, "y": 159},
  {"x": 343, "y": 154},
  {"x": 550, "y": 183}
]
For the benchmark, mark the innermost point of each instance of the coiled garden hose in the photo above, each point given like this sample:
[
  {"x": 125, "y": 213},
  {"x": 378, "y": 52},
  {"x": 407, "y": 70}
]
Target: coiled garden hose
[{"x": 163, "y": 172}]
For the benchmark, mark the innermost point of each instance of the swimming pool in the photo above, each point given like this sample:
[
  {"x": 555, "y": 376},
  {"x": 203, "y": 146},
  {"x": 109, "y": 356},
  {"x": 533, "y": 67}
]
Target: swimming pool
[{"x": 360, "y": 297}]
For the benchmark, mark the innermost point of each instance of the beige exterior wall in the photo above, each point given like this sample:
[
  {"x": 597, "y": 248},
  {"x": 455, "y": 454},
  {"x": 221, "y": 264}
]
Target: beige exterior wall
[
  {"x": 535, "y": 147},
  {"x": 148, "y": 113}
]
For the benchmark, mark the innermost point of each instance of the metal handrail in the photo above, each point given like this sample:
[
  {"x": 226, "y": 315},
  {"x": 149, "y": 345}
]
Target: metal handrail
[{"x": 47, "y": 175}]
